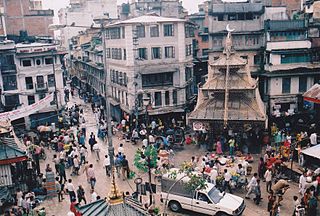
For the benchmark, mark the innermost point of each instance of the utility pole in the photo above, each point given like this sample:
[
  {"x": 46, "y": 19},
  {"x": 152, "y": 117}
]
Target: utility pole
[{"x": 55, "y": 82}]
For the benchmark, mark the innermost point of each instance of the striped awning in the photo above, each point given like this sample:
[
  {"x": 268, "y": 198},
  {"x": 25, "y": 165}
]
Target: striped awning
[{"x": 313, "y": 94}]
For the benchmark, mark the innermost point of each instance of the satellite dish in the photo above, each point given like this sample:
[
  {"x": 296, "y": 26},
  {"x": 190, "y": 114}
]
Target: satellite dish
[{"x": 228, "y": 28}]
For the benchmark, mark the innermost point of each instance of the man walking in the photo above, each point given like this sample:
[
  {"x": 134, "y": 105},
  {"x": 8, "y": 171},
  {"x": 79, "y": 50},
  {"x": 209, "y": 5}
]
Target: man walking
[
  {"x": 268, "y": 177},
  {"x": 71, "y": 190},
  {"x": 125, "y": 168},
  {"x": 227, "y": 178},
  {"x": 107, "y": 165},
  {"x": 252, "y": 185}
]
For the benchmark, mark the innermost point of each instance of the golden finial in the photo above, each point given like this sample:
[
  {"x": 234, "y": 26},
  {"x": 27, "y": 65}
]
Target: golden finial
[{"x": 115, "y": 197}]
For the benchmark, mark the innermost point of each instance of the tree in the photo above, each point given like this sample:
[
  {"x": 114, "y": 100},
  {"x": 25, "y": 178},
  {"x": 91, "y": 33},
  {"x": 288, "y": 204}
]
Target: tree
[{"x": 141, "y": 159}]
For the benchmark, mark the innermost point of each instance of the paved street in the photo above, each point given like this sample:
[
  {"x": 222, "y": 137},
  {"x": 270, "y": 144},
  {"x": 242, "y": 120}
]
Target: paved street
[{"x": 53, "y": 207}]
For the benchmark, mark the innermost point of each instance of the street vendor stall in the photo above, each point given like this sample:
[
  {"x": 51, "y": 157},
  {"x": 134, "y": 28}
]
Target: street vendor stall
[{"x": 311, "y": 156}]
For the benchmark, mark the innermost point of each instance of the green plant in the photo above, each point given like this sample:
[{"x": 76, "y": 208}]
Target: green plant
[{"x": 141, "y": 159}]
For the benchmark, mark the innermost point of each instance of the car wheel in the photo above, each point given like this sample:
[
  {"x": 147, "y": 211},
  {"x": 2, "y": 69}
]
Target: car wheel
[
  {"x": 222, "y": 214},
  {"x": 175, "y": 206}
]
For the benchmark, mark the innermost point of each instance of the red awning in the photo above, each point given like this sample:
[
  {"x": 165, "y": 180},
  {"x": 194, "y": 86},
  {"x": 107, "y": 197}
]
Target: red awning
[
  {"x": 313, "y": 94},
  {"x": 13, "y": 160}
]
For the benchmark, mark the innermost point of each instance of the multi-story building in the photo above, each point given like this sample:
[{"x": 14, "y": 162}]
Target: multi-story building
[
  {"x": 292, "y": 65},
  {"x": 164, "y": 8},
  {"x": 150, "y": 56},
  {"x": 82, "y": 13},
  {"x": 247, "y": 20},
  {"x": 27, "y": 76},
  {"x": 25, "y": 18}
]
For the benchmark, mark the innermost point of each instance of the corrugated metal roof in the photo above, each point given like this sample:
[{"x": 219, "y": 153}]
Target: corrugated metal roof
[
  {"x": 313, "y": 94},
  {"x": 102, "y": 208},
  {"x": 237, "y": 8},
  {"x": 9, "y": 149}
]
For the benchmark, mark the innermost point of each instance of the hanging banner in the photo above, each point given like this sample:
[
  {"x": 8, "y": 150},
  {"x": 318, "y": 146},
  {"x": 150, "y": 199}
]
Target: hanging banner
[{"x": 27, "y": 110}]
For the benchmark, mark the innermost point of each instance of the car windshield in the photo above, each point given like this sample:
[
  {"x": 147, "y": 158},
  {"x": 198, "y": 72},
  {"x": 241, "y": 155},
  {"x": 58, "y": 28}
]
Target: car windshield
[{"x": 215, "y": 195}]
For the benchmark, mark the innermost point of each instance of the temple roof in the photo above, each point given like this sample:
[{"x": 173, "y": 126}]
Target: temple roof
[
  {"x": 103, "y": 208},
  {"x": 237, "y": 81},
  {"x": 241, "y": 107},
  {"x": 233, "y": 60}
]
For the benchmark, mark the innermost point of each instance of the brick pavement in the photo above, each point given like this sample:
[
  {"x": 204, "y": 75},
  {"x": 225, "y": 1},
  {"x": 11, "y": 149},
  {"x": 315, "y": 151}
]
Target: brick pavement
[{"x": 53, "y": 207}]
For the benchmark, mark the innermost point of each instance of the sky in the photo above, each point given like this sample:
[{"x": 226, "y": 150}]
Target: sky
[{"x": 190, "y": 5}]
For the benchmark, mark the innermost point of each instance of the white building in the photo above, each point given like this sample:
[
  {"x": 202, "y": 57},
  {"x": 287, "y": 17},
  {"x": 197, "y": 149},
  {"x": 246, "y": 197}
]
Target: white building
[
  {"x": 27, "y": 76},
  {"x": 82, "y": 13},
  {"x": 150, "y": 54}
]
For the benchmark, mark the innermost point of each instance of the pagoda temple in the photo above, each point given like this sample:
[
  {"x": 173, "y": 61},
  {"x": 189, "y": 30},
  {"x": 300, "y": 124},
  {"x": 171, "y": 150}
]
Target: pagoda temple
[{"x": 229, "y": 99}]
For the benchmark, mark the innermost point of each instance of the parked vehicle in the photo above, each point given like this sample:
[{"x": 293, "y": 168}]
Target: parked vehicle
[{"x": 208, "y": 201}]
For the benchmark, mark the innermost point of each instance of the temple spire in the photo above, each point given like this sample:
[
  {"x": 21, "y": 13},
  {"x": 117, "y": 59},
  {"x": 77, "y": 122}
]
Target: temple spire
[
  {"x": 115, "y": 196},
  {"x": 228, "y": 43}
]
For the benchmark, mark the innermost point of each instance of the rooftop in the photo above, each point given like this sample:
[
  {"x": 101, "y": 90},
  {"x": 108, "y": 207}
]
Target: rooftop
[
  {"x": 237, "y": 8},
  {"x": 151, "y": 18}
]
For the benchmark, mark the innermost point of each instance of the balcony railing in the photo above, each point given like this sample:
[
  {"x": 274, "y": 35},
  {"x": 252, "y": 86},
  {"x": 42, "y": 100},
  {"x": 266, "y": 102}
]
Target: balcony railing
[{"x": 41, "y": 87}]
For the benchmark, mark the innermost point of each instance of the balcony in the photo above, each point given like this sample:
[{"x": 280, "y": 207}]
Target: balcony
[
  {"x": 41, "y": 87},
  {"x": 40, "y": 13},
  {"x": 284, "y": 45},
  {"x": 8, "y": 69}
]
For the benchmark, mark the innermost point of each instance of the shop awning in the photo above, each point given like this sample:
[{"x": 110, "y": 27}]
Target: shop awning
[
  {"x": 313, "y": 94},
  {"x": 313, "y": 151}
]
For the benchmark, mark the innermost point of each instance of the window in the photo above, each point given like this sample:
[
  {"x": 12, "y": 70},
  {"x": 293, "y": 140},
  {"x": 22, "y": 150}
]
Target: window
[
  {"x": 189, "y": 30},
  {"x": 26, "y": 63},
  {"x": 48, "y": 61},
  {"x": 41, "y": 96},
  {"x": 188, "y": 73},
  {"x": 167, "y": 98},
  {"x": 12, "y": 100},
  {"x": 158, "y": 79},
  {"x": 40, "y": 82},
  {"x": 204, "y": 38},
  {"x": 302, "y": 84},
  {"x": 286, "y": 85},
  {"x": 295, "y": 58},
  {"x": 232, "y": 16},
  {"x": 143, "y": 53},
  {"x": 220, "y": 17},
  {"x": 154, "y": 31},
  {"x": 168, "y": 30},
  {"x": 31, "y": 99},
  {"x": 205, "y": 52},
  {"x": 38, "y": 62},
  {"x": 141, "y": 31},
  {"x": 124, "y": 54},
  {"x": 29, "y": 83},
  {"x": 174, "y": 97},
  {"x": 156, "y": 52},
  {"x": 257, "y": 59},
  {"x": 169, "y": 52},
  {"x": 113, "y": 33},
  {"x": 108, "y": 53},
  {"x": 125, "y": 79},
  {"x": 123, "y": 32},
  {"x": 9, "y": 82},
  {"x": 189, "y": 92},
  {"x": 189, "y": 50},
  {"x": 51, "y": 80},
  {"x": 158, "y": 99},
  {"x": 116, "y": 53}
]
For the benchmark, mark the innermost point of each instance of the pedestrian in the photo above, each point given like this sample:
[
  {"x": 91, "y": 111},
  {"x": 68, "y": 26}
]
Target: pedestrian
[
  {"x": 85, "y": 170},
  {"x": 125, "y": 168},
  {"x": 257, "y": 193},
  {"x": 302, "y": 183},
  {"x": 271, "y": 202},
  {"x": 81, "y": 195},
  {"x": 62, "y": 171},
  {"x": 56, "y": 162},
  {"x": 92, "y": 141},
  {"x": 252, "y": 184},
  {"x": 83, "y": 154},
  {"x": 121, "y": 149},
  {"x": 92, "y": 177},
  {"x": 268, "y": 178},
  {"x": 312, "y": 206},
  {"x": 107, "y": 165},
  {"x": 96, "y": 150},
  {"x": 231, "y": 146},
  {"x": 296, "y": 204},
  {"x": 71, "y": 190},
  {"x": 59, "y": 189},
  {"x": 261, "y": 168},
  {"x": 19, "y": 195},
  {"x": 118, "y": 163},
  {"x": 93, "y": 196},
  {"x": 76, "y": 165},
  {"x": 226, "y": 183},
  {"x": 213, "y": 175}
]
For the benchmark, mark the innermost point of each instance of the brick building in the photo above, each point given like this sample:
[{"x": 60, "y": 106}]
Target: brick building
[{"x": 27, "y": 16}]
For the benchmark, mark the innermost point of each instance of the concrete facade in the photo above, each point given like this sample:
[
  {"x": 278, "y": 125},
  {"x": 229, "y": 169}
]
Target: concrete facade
[
  {"x": 158, "y": 64},
  {"x": 23, "y": 15},
  {"x": 82, "y": 13},
  {"x": 27, "y": 75}
]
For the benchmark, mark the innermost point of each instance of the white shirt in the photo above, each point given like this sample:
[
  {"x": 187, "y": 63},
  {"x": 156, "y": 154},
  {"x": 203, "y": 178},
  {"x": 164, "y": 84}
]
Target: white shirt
[
  {"x": 106, "y": 162},
  {"x": 94, "y": 197},
  {"x": 268, "y": 175},
  {"x": 70, "y": 213},
  {"x": 253, "y": 182},
  {"x": 302, "y": 181},
  {"x": 123, "y": 122},
  {"x": 76, "y": 162},
  {"x": 145, "y": 142},
  {"x": 70, "y": 187},
  {"x": 213, "y": 174},
  {"x": 96, "y": 147},
  {"x": 227, "y": 176},
  {"x": 313, "y": 139},
  {"x": 121, "y": 149}
]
